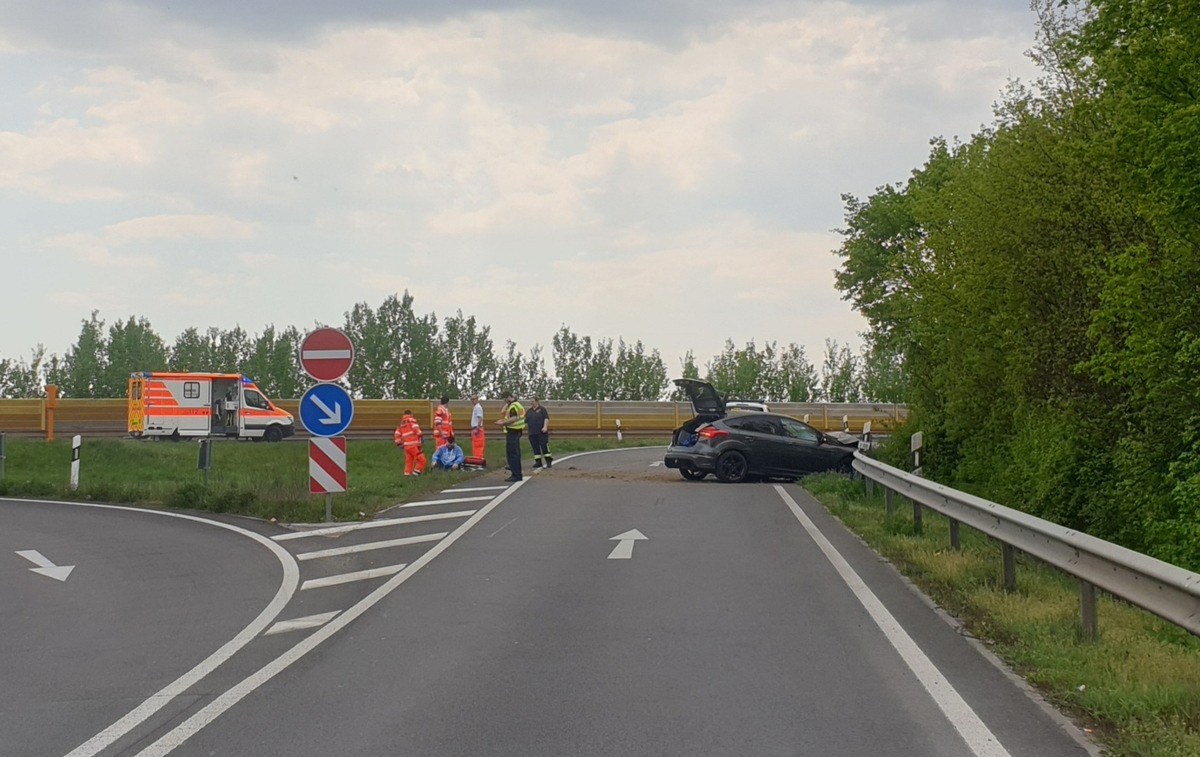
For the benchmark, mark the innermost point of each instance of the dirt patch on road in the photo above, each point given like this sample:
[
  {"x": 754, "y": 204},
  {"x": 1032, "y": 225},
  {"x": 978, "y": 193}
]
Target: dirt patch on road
[{"x": 651, "y": 475}]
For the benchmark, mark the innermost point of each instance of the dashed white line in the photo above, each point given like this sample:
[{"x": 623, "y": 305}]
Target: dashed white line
[
  {"x": 345, "y": 578},
  {"x": 445, "y": 501},
  {"x": 370, "y": 546},
  {"x": 299, "y": 624},
  {"x": 373, "y": 524}
]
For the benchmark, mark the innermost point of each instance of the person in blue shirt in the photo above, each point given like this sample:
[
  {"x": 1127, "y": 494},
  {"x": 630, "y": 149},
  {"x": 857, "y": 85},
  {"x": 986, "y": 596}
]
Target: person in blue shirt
[{"x": 449, "y": 456}]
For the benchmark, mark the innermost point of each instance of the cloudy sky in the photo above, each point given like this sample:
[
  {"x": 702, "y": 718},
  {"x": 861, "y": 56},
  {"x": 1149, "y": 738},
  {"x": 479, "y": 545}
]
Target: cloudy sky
[{"x": 669, "y": 171}]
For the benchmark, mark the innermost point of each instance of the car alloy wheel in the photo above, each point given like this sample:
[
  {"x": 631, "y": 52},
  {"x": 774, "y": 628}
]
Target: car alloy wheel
[
  {"x": 691, "y": 474},
  {"x": 732, "y": 467}
]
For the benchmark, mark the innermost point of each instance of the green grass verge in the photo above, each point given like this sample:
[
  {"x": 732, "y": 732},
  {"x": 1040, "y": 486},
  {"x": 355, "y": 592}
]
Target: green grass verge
[
  {"x": 1137, "y": 689},
  {"x": 259, "y": 480}
]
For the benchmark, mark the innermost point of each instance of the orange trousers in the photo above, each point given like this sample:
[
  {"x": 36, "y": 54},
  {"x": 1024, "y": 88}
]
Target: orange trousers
[
  {"x": 478, "y": 438},
  {"x": 414, "y": 460}
]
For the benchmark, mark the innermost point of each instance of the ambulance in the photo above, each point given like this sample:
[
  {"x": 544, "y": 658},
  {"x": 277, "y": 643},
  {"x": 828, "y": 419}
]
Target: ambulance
[{"x": 178, "y": 405}]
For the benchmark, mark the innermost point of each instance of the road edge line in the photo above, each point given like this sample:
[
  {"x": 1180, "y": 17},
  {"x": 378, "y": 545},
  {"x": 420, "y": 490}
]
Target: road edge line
[
  {"x": 965, "y": 721},
  {"x": 139, "y": 714}
]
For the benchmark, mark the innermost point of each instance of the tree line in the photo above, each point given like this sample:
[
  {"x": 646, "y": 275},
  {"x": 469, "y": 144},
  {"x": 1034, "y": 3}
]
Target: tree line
[
  {"x": 1040, "y": 282},
  {"x": 401, "y": 353}
]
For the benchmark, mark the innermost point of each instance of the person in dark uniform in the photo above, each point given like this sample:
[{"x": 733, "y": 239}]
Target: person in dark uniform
[
  {"x": 537, "y": 420},
  {"x": 514, "y": 425}
]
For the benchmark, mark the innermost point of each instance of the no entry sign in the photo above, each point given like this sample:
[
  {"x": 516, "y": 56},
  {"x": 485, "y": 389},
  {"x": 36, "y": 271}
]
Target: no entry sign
[{"x": 326, "y": 354}]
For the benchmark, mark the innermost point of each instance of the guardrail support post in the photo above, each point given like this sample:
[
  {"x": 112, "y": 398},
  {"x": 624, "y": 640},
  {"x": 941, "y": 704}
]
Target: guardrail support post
[
  {"x": 918, "y": 440},
  {"x": 954, "y": 535},
  {"x": 1089, "y": 626},
  {"x": 887, "y": 500},
  {"x": 1009, "y": 554}
]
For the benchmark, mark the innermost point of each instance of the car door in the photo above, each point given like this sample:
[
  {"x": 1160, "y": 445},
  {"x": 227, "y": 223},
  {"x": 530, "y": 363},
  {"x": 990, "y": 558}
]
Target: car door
[
  {"x": 769, "y": 446},
  {"x": 804, "y": 453}
]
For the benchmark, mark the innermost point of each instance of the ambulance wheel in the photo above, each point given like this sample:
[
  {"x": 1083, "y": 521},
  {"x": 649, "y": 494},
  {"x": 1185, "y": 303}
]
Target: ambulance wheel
[{"x": 273, "y": 434}]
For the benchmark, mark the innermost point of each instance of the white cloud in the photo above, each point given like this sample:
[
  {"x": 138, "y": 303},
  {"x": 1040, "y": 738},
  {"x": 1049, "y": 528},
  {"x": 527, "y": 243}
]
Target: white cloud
[
  {"x": 459, "y": 158},
  {"x": 174, "y": 226}
]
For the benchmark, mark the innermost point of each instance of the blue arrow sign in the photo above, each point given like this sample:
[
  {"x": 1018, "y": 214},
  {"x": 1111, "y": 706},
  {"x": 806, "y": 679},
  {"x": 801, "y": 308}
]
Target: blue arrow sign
[{"x": 326, "y": 410}]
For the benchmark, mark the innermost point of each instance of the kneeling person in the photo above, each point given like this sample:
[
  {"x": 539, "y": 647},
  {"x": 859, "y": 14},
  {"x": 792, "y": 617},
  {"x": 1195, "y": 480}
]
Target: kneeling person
[{"x": 449, "y": 456}]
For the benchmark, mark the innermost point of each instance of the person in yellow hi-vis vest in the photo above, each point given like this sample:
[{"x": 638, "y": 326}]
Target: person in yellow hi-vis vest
[{"x": 513, "y": 421}]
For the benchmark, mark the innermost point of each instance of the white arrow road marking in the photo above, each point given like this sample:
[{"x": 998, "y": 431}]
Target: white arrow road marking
[
  {"x": 345, "y": 578},
  {"x": 332, "y": 417},
  {"x": 299, "y": 624},
  {"x": 44, "y": 566},
  {"x": 624, "y": 548}
]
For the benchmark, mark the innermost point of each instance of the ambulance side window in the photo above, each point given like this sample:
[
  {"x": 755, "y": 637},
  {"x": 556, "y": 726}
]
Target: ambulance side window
[
  {"x": 256, "y": 400},
  {"x": 191, "y": 390}
]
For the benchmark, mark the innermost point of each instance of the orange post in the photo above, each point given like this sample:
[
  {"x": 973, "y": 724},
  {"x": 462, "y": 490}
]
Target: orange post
[{"x": 51, "y": 402}]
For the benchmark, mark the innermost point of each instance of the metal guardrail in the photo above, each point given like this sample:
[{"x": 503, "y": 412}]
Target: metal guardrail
[
  {"x": 1166, "y": 590},
  {"x": 378, "y": 418}
]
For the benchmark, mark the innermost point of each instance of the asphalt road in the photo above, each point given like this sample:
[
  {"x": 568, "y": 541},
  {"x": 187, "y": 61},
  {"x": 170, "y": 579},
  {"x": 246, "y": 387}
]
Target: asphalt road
[
  {"x": 510, "y": 622},
  {"x": 150, "y": 597}
]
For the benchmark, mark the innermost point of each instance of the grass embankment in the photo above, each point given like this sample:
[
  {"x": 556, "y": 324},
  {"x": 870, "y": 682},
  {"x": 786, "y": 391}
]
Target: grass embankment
[
  {"x": 1137, "y": 688},
  {"x": 260, "y": 480}
]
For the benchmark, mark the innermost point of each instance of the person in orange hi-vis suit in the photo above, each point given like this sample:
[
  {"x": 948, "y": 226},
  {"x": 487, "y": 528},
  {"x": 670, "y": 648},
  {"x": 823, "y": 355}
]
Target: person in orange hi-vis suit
[
  {"x": 408, "y": 434},
  {"x": 443, "y": 425}
]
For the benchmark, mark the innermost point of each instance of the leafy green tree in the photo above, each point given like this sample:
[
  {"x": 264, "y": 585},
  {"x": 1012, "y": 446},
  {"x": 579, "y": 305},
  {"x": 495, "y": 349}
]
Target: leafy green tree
[
  {"x": 20, "y": 379},
  {"x": 839, "y": 374},
  {"x": 881, "y": 374},
  {"x": 133, "y": 346},
  {"x": 84, "y": 364},
  {"x": 573, "y": 358},
  {"x": 794, "y": 378},
  {"x": 523, "y": 376},
  {"x": 274, "y": 363},
  {"x": 193, "y": 350},
  {"x": 638, "y": 375},
  {"x": 468, "y": 357}
]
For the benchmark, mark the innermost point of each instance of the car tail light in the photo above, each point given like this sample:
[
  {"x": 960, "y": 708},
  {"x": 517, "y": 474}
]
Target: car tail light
[{"x": 711, "y": 433}]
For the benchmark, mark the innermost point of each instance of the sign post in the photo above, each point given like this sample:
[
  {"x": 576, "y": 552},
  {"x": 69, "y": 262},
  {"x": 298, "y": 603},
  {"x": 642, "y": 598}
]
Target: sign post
[
  {"x": 326, "y": 411},
  {"x": 204, "y": 462},
  {"x": 76, "y": 442}
]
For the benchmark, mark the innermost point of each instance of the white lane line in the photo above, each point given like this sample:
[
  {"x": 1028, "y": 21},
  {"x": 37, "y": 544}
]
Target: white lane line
[
  {"x": 656, "y": 463},
  {"x": 299, "y": 624},
  {"x": 210, "y": 712},
  {"x": 970, "y": 726},
  {"x": 446, "y": 501},
  {"x": 456, "y": 490},
  {"x": 373, "y": 524},
  {"x": 370, "y": 546},
  {"x": 213, "y": 710},
  {"x": 345, "y": 578},
  {"x": 139, "y": 714}
]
